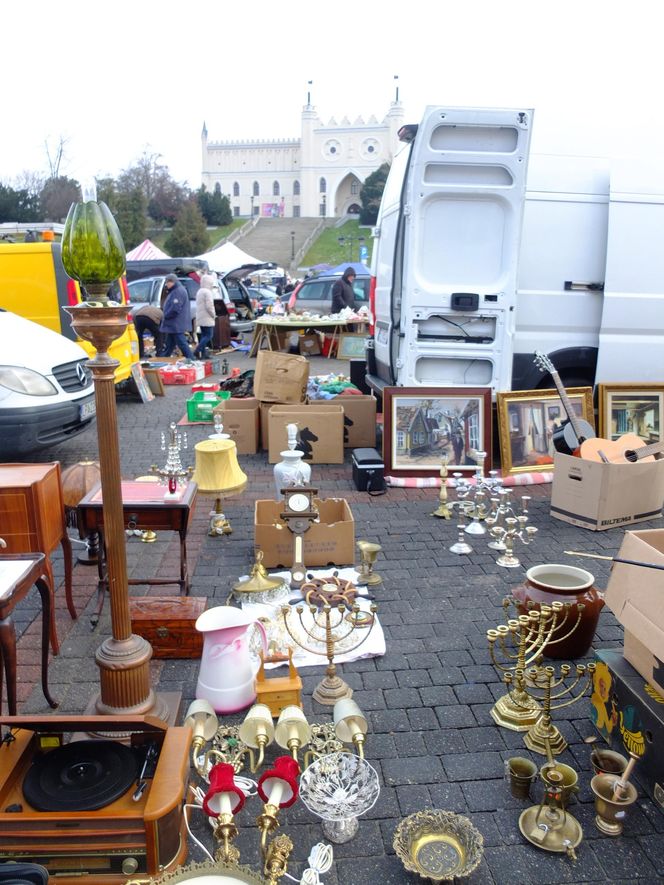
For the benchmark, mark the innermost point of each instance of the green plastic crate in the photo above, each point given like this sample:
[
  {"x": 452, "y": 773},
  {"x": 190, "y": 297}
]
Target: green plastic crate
[{"x": 202, "y": 403}]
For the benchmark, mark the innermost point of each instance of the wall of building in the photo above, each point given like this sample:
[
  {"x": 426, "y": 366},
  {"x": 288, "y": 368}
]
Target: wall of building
[{"x": 319, "y": 174}]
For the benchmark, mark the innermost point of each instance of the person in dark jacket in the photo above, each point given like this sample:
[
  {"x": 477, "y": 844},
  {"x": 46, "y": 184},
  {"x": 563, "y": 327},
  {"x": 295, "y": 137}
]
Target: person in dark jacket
[
  {"x": 177, "y": 318},
  {"x": 147, "y": 319},
  {"x": 343, "y": 294}
]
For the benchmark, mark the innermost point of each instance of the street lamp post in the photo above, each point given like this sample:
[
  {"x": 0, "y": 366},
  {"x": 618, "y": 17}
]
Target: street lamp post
[
  {"x": 350, "y": 240},
  {"x": 292, "y": 245},
  {"x": 252, "y": 205}
]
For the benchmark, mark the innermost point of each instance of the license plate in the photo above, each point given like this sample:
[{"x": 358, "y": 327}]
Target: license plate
[{"x": 88, "y": 410}]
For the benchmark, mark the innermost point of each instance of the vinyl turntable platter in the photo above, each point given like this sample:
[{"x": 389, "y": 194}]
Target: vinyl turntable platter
[{"x": 81, "y": 776}]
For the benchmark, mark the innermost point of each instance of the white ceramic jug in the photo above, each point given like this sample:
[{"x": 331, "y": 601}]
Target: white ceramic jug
[{"x": 227, "y": 673}]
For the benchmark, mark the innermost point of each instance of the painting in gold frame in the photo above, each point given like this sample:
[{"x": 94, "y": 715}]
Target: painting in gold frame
[
  {"x": 631, "y": 408},
  {"x": 527, "y": 420}
]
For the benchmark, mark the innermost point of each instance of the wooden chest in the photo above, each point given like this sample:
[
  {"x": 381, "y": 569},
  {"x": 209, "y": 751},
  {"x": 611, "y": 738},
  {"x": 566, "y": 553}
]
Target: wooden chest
[{"x": 168, "y": 623}]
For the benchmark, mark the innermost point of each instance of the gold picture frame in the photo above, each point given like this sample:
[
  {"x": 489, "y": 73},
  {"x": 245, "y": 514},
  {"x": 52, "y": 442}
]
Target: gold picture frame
[
  {"x": 630, "y": 408},
  {"x": 527, "y": 420}
]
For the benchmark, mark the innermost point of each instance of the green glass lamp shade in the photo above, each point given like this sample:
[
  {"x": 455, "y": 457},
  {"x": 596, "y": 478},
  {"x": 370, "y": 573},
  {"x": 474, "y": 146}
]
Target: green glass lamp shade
[{"x": 92, "y": 248}]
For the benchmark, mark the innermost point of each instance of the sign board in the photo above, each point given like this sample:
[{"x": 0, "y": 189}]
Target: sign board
[{"x": 142, "y": 386}]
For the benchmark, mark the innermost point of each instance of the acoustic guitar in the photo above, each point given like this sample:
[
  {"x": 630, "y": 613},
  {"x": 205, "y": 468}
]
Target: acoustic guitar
[
  {"x": 626, "y": 449},
  {"x": 568, "y": 437}
]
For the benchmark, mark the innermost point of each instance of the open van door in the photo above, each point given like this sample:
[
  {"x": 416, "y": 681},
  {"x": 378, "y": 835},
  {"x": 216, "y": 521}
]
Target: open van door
[
  {"x": 452, "y": 247},
  {"x": 631, "y": 327}
]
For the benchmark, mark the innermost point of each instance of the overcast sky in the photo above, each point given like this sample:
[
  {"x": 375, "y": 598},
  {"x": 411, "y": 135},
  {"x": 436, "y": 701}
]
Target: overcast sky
[{"x": 116, "y": 79}]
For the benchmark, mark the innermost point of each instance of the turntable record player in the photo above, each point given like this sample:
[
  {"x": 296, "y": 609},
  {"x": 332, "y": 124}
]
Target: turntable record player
[{"x": 97, "y": 811}]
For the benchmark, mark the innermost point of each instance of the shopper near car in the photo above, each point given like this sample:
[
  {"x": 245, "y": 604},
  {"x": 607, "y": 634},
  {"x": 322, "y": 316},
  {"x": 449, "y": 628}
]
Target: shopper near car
[
  {"x": 343, "y": 294},
  {"x": 177, "y": 318},
  {"x": 148, "y": 318},
  {"x": 205, "y": 315}
]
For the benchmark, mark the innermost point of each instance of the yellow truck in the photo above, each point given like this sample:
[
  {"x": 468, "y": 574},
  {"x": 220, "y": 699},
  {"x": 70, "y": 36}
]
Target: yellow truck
[{"x": 34, "y": 285}]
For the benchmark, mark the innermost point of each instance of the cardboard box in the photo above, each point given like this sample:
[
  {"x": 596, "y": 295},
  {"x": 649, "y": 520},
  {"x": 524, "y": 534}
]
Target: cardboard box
[
  {"x": 240, "y": 418},
  {"x": 328, "y": 542},
  {"x": 359, "y": 419},
  {"x": 600, "y": 496},
  {"x": 265, "y": 425},
  {"x": 320, "y": 432},
  {"x": 630, "y": 717},
  {"x": 634, "y": 595},
  {"x": 309, "y": 344},
  {"x": 280, "y": 377}
]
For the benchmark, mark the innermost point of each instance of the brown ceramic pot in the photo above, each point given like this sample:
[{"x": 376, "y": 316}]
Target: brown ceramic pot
[{"x": 545, "y": 584}]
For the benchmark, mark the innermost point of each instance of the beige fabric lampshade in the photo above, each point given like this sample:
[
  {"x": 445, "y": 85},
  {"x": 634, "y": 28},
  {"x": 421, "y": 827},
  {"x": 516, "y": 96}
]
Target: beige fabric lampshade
[{"x": 217, "y": 469}]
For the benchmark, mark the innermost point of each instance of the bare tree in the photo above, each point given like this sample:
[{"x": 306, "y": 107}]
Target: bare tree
[{"x": 55, "y": 156}]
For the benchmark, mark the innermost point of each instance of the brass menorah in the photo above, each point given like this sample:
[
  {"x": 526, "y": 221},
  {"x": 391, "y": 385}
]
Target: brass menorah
[
  {"x": 555, "y": 694},
  {"x": 337, "y": 624},
  {"x": 521, "y": 642}
]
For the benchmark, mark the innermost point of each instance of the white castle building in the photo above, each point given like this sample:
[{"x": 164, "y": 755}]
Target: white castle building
[{"x": 318, "y": 174}]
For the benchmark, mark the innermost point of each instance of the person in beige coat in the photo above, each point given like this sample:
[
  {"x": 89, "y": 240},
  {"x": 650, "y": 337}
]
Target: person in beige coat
[{"x": 205, "y": 315}]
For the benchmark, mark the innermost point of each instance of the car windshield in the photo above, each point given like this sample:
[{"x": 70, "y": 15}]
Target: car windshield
[{"x": 140, "y": 291}]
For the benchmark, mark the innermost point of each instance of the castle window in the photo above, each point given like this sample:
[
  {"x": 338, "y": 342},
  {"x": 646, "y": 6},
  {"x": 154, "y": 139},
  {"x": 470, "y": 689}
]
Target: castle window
[
  {"x": 355, "y": 187},
  {"x": 296, "y": 188},
  {"x": 256, "y": 189},
  {"x": 296, "y": 211},
  {"x": 236, "y": 189},
  {"x": 322, "y": 186},
  {"x": 275, "y": 188}
]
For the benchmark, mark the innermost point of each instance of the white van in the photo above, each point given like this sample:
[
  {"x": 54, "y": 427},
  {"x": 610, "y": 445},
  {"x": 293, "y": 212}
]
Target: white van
[
  {"x": 484, "y": 255},
  {"x": 46, "y": 389}
]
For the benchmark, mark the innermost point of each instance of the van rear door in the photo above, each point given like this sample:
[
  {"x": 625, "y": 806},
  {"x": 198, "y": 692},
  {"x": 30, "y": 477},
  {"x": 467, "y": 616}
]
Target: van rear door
[
  {"x": 463, "y": 207},
  {"x": 631, "y": 338}
]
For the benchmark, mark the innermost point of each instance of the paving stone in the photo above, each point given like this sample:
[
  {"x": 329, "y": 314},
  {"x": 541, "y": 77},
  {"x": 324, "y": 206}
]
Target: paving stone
[
  {"x": 414, "y": 770},
  {"x": 473, "y": 766},
  {"x": 525, "y": 865}
]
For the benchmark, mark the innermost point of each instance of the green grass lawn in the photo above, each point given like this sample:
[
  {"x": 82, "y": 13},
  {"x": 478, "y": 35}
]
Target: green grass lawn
[{"x": 326, "y": 249}]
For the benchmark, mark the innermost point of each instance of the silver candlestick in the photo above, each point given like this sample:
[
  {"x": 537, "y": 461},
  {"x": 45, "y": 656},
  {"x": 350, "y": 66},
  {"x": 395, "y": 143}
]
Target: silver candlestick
[{"x": 515, "y": 529}]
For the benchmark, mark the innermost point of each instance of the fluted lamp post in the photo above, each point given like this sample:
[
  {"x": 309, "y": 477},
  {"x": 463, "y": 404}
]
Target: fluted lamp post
[{"x": 93, "y": 253}]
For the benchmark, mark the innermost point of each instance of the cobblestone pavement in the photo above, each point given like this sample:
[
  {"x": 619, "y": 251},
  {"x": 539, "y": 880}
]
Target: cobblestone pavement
[{"x": 431, "y": 737}]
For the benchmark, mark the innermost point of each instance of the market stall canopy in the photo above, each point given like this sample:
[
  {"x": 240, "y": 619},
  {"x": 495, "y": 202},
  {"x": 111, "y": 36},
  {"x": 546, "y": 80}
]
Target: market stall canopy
[
  {"x": 228, "y": 257},
  {"x": 146, "y": 250},
  {"x": 356, "y": 265}
]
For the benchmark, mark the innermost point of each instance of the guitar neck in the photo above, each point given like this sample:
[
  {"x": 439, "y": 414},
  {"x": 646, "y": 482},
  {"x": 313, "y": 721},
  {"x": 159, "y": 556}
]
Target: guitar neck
[
  {"x": 645, "y": 451},
  {"x": 567, "y": 405}
]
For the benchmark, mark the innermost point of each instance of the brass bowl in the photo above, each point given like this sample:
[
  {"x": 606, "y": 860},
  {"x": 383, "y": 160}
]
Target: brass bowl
[{"x": 438, "y": 845}]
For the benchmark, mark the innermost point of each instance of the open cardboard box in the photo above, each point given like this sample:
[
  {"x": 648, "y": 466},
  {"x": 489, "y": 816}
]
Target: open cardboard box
[
  {"x": 328, "y": 542},
  {"x": 600, "y": 496},
  {"x": 634, "y": 594},
  {"x": 359, "y": 418}
]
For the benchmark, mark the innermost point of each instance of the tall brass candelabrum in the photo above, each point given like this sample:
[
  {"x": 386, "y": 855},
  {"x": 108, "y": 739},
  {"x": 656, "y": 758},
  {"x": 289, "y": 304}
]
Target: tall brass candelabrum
[
  {"x": 336, "y": 624},
  {"x": 520, "y": 643},
  {"x": 554, "y": 693}
]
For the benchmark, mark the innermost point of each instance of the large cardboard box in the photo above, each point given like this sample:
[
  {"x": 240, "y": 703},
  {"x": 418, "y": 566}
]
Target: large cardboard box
[
  {"x": 241, "y": 420},
  {"x": 600, "y": 496},
  {"x": 309, "y": 344},
  {"x": 331, "y": 541},
  {"x": 629, "y": 715},
  {"x": 280, "y": 377},
  {"x": 265, "y": 426},
  {"x": 359, "y": 419},
  {"x": 320, "y": 432},
  {"x": 634, "y": 595}
]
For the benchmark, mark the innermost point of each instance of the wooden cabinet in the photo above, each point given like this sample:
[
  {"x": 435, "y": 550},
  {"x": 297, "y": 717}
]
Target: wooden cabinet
[{"x": 32, "y": 518}]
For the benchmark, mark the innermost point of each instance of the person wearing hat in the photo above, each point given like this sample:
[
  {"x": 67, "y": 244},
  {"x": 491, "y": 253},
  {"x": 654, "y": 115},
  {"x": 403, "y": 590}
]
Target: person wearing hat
[
  {"x": 177, "y": 317},
  {"x": 343, "y": 294}
]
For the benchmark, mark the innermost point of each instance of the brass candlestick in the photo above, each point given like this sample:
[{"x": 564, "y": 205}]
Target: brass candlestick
[
  {"x": 443, "y": 511},
  {"x": 544, "y": 737},
  {"x": 549, "y": 825},
  {"x": 337, "y": 625},
  {"x": 368, "y": 554}
]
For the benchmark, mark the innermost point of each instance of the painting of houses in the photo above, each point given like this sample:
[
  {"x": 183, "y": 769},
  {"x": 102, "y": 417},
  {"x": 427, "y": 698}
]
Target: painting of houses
[{"x": 423, "y": 429}]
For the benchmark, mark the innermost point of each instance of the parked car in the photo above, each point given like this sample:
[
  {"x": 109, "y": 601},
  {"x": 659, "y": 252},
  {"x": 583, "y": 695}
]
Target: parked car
[
  {"x": 46, "y": 389},
  {"x": 315, "y": 293}
]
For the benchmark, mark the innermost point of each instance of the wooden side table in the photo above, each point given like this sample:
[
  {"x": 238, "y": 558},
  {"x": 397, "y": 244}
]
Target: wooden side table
[
  {"x": 32, "y": 520},
  {"x": 17, "y": 575}
]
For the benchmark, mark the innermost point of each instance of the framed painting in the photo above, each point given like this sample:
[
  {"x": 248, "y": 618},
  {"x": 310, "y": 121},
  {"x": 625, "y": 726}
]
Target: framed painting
[
  {"x": 527, "y": 421},
  {"x": 631, "y": 408},
  {"x": 422, "y": 424},
  {"x": 351, "y": 346}
]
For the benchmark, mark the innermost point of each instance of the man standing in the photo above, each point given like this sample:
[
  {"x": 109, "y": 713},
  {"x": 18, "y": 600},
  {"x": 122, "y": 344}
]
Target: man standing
[
  {"x": 343, "y": 294},
  {"x": 177, "y": 318}
]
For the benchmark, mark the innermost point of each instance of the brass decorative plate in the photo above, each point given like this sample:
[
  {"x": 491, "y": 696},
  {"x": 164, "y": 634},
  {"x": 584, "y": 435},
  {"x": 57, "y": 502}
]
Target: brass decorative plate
[
  {"x": 438, "y": 845},
  {"x": 206, "y": 873}
]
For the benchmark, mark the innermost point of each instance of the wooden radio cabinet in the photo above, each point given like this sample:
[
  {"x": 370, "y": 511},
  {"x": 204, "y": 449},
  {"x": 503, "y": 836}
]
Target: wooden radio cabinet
[{"x": 32, "y": 520}]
